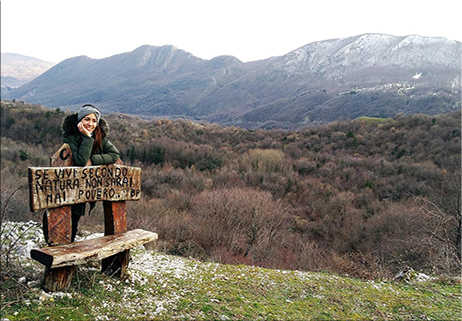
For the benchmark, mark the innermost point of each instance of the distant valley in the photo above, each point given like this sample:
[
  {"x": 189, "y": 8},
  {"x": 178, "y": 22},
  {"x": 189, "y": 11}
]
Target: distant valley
[{"x": 366, "y": 75}]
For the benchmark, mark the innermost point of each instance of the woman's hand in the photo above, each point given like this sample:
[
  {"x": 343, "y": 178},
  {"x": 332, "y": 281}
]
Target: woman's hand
[
  {"x": 89, "y": 163},
  {"x": 83, "y": 130}
]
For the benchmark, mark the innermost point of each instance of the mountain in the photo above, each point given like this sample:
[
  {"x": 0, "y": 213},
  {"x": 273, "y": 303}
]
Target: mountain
[
  {"x": 147, "y": 81},
  {"x": 366, "y": 75},
  {"x": 18, "y": 70}
]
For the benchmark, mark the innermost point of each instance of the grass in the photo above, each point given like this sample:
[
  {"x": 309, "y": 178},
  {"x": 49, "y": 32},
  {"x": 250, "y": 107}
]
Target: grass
[{"x": 162, "y": 287}]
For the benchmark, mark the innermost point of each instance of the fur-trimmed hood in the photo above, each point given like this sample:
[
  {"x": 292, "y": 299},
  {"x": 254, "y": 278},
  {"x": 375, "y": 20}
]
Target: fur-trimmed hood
[{"x": 69, "y": 126}]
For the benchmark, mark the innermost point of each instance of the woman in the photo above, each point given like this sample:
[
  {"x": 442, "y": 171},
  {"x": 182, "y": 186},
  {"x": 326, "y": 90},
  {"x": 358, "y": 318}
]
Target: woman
[{"x": 86, "y": 133}]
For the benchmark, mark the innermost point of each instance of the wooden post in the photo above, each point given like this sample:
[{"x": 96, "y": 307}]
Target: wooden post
[
  {"x": 115, "y": 217},
  {"x": 57, "y": 221},
  {"x": 57, "y": 229},
  {"x": 115, "y": 222},
  {"x": 57, "y": 225}
]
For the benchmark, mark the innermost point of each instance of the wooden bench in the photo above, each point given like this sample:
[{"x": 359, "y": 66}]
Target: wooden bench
[
  {"x": 58, "y": 187},
  {"x": 90, "y": 250}
]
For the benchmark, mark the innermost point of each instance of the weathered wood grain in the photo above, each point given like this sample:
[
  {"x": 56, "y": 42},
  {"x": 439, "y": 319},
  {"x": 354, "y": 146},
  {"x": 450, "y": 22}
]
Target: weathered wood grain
[
  {"x": 115, "y": 217},
  {"x": 90, "y": 250},
  {"x": 58, "y": 279},
  {"x": 57, "y": 227},
  {"x": 62, "y": 157}
]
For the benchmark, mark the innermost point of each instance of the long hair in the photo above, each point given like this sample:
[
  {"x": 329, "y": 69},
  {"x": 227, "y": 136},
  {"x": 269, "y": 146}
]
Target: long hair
[{"x": 98, "y": 143}]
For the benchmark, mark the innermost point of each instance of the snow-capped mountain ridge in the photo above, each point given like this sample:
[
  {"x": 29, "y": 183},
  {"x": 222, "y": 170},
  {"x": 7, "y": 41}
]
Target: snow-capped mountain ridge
[{"x": 367, "y": 51}]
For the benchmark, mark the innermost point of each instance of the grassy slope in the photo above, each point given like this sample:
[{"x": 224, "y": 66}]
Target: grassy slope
[{"x": 161, "y": 287}]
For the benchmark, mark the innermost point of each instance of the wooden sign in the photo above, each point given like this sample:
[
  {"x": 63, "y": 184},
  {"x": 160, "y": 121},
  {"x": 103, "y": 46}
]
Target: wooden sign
[{"x": 58, "y": 186}]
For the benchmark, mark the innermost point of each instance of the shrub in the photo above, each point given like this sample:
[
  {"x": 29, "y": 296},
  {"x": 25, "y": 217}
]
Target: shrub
[
  {"x": 239, "y": 219},
  {"x": 263, "y": 160}
]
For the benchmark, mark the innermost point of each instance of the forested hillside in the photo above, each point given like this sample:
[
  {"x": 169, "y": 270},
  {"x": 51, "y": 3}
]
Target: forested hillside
[{"x": 365, "y": 197}]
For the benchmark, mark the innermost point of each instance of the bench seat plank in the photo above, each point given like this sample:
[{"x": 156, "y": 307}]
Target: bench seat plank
[{"x": 90, "y": 250}]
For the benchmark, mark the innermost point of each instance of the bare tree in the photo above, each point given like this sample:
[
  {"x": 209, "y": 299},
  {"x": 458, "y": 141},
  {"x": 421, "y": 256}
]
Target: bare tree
[{"x": 443, "y": 210}]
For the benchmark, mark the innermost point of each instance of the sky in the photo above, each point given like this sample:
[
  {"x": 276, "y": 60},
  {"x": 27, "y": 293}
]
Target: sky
[{"x": 55, "y": 30}]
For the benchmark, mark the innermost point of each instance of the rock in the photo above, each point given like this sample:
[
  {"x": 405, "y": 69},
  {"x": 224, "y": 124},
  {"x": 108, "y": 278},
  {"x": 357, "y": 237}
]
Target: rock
[{"x": 409, "y": 275}]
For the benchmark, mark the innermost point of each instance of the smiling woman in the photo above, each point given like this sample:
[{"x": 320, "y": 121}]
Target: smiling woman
[{"x": 86, "y": 133}]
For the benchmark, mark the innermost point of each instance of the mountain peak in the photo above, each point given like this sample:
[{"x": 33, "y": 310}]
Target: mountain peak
[{"x": 161, "y": 57}]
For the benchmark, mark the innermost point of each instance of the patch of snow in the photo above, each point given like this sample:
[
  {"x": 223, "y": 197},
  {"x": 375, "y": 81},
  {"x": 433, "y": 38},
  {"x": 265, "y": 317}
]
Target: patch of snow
[
  {"x": 227, "y": 70},
  {"x": 400, "y": 87},
  {"x": 89, "y": 237},
  {"x": 161, "y": 264},
  {"x": 214, "y": 81},
  {"x": 19, "y": 238},
  {"x": 145, "y": 58},
  {"x": 409, "y": 275}
]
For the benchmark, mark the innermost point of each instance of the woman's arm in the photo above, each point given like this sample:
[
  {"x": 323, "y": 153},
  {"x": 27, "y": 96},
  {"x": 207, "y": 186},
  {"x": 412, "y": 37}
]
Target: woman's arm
[
  {"x": 81, "y": 151},
  {"x": 109, "y": 155}
]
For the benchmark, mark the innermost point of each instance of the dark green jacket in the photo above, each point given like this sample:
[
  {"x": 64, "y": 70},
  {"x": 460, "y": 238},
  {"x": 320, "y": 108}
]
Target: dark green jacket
[{"x": 81, "y": 147}]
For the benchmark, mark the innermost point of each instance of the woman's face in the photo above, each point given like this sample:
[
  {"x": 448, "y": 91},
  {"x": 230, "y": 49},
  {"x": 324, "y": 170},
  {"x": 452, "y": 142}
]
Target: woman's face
[{"x": 90, "y": 122}]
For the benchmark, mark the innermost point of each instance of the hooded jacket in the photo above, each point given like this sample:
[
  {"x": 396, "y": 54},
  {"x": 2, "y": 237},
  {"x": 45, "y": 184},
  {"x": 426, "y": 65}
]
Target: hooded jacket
[{"x": 81, "y": 145}]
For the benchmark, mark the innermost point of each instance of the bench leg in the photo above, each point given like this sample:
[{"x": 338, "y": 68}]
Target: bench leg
[
  {"x": 116, "y": 265},
  {"x": 58, "y": 279},
  {"x": 115, "y": 221},
  {"x": 57, "y": 231}
]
